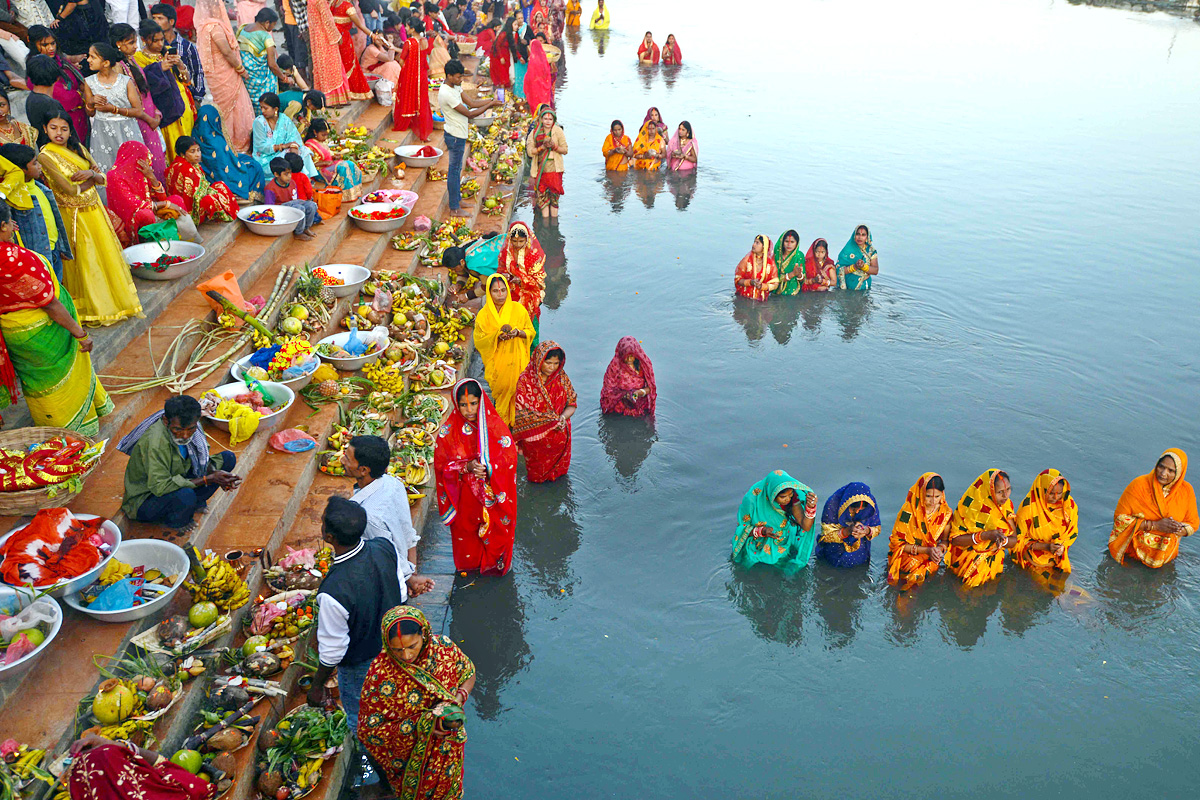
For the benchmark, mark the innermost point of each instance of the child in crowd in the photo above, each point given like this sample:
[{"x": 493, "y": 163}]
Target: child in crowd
[
  {"x": 299, "y": 85},
  {"x": 39, "y": 223},
  {"x": 282, "y": 190}
]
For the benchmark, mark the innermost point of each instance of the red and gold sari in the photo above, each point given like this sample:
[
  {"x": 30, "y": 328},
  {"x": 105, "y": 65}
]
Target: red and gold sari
[
  {"x": 411, "y": 109},
  {"x": 1145, "y": 500},
  {"x": 540, "y": 402},
  {"x": 131, "y": 195},
  {"x": 761, "y": 268},
  {"x": 400, "y": 706},
  {"x": 1040, "y": 521},
  {"x": 526, "y": 268},
  {"x": 650, "y": 53},
  {"x": 119, "y": 772},
  {"x": 622, "y": 380},
  {"x": 359, "y": 88},
  {"x": 203, "y": 200},
  {"x": 915, "y": 526},
  {"x": 481, "y": 513},
  {"x": 978, "y": 511}
]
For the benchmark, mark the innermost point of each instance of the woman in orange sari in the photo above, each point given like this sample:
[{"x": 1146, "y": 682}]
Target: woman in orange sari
[
  {"x": 650, "y": 147},
  {"x": 982, "y": 527},
  {"x": 324, "y": 44},
  {"x": 524, "y": 262},
  {"x": 574, "y": 12},
  {"x": 755, "y": 276},
  {"x": 1154, "y": 511},
  {"x": 545, "y": 403},
  {"x": 617, "y": 147},
  {"x": 1047, "y": 524},
  {"x": 919, "y": 536}
]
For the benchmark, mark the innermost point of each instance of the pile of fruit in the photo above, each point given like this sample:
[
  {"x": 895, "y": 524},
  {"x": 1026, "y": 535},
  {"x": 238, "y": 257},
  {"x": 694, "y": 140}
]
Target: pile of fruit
[
  {"x": 294, "y": 751},
  {"x": 316, "y": 394},
  {"x": 326, "y": 279},
  {"x": 331, "y": 350},
  {"x": 161, "y": 263},
  {"x": 435, "y": 174},
  {"x": 493, "y": 205},
  {"x": 20, "y": 766},
  {"x": 214, "y": 580},
  {"x": 395, "y": 213},
  {"x": 281, "y": 618},
  {"x": 300, "y": 569},
  {"x": 451, "y": 233},
  {"x": 409, "y": 240},
  {"x": 470, "y": 188}
]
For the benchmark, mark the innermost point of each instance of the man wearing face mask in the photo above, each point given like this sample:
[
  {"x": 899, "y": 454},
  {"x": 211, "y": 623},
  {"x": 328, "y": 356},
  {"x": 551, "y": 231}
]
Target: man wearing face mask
[{"x": 170, "y": 475}]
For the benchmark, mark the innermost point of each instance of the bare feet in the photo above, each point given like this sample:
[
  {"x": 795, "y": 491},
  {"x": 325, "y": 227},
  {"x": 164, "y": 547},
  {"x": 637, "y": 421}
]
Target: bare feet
[{"x": 304, "y": 237}]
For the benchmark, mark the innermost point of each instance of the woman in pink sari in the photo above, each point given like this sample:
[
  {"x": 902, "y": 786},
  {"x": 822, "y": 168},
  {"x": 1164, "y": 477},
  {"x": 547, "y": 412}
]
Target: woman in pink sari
[
  {"x": 539, "y": 86},
  {"x": 224, "y": 73},
  {"x": 629, "y": 386},
  {"x": 681, "y": 150},
  {"x": 382, "y": 61},
  {"x": 68, "y": 89},
  {"x": 328, "y": 75}
]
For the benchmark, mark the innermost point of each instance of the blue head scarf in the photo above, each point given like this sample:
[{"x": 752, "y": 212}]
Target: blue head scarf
[
  {"x": 240, "y": 172},
  {"x": 850, "y": 504}
]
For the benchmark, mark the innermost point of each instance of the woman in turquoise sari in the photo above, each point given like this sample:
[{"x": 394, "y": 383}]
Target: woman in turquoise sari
[
  {"x": 857, "y": 262},
  {"x": 789, "y": 263},
  {"x": 258, "y": 56},
  {"x": 240, "y": 172},
  {"x": 775, "y": 523},
  {"x": 276, "y": 134}
]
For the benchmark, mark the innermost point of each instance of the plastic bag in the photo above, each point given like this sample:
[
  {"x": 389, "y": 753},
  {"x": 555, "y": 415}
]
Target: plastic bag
[
  {"x": 301, "y": 369},
  {"x": 354, "y": 345},
  {"x": 382, "y": 301},
  {"x": 422, "y": 224},
  {"x": 18, "y": 649},
  {"x": 32, "y": 615},
  {"x": 122, "y": 595},
  {"x": 292, "y": 440},
  {"x": 227, "y": 286},
  {"x": 378, "y": 335}
]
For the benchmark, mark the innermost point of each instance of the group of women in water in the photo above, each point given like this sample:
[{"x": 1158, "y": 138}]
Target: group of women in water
[
  {"x": 652, "y": 147},
  {"x": 784, "y": 271},
  {"x": 649, "y": 52},
  {"x": 777, "y": 525}
]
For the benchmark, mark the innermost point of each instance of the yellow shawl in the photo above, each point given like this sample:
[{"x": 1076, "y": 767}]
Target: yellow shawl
[
  {"x": 503, "y": 360},
  {"x": 1038, "y": 521},
  {"x": 978, "y": 511}
]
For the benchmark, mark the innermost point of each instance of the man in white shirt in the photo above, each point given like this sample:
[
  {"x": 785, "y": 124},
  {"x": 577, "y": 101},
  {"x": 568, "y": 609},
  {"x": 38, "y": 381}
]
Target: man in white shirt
[
  {"x": 456, "y": 110},
  {"x": 382, "y": 496}
]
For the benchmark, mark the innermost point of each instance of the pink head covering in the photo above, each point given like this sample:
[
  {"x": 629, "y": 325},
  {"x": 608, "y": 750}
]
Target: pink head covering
[{"x": 620, "y": 379}]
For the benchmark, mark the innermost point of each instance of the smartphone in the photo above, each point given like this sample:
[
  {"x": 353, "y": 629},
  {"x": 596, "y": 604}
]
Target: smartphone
[{"x": 171, "y": 49}]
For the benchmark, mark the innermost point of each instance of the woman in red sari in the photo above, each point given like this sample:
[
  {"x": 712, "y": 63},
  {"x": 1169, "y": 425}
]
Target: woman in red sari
[
  {"x": 137, "y": 198},
  {"x": 545, "y": 403},
  {"x": 347, "y": 17},
  {"x": 524, "y": 262},
  {"x": 670, "y": 51},
  {"x": 475, "y": 462},
  {"x": 411, "y": 110},
  {"x": 410, "y": 717},
  {"x": 648, "y": 51},
  {"x": 500, "y": 63},
  {"x": 820, "y": 271},
  {"x": 539, "y": 82},
  {"x": 105, "y": 770},
  {"x": 755, "y": 276},
  {"x": 629, "y": 386},
  {"x": 203, "y": 200}
]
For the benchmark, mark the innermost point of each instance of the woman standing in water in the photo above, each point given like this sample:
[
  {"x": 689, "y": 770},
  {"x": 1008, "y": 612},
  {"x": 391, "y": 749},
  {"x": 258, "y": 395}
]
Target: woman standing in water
[
  {"x": 475, "y": 461},
  {"x": 820, "y": 271},
  {"x": 546, "y": 146},
  {"x": 681, "y": 150},
  {"x": 1154, "y": 512},
  {"x": 919, "y": 536},
  {"x": 629, "y": 386},
  {"x": 775, "y": 523},
  {"x": 648, "y": 52},
  {"x": 848, "y": 524},
  {"x": 523, "y": 260},
  {"x": 545, "y": 403},
  {"x": 755, "y": 276},
  {"x": 789, "y": 264},
  {"x": 671, "y": 55},
  {"x": 503, "y": 332},
  {"x": 858, "y": 261}
]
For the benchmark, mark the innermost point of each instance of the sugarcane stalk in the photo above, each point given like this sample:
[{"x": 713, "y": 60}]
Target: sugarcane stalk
[{"x": 194, "y": 742}]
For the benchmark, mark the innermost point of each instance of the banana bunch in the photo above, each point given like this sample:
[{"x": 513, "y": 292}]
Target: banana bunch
[
  {"x": 226, "y": 321},
  {"x": 128, "y": 729},
  {"x": 260, "y": 340},
  {"x": 26, "y": 760},
  {"x": 221, "y": 585},
  {"x": 386, "y": 379},
  {"x": 416, "y": 435},
  {"x": 415, "y": 475},
  {"x": 310, "y": 773}
]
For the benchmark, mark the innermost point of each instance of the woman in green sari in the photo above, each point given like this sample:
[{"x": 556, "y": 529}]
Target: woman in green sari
[
  {"x": 858, "y": 261},
  {"x": 43, "y": 344},
  {"x": 789, "y": 263},
  {"x": 775, "y": 523},
  {"x": 258, "y": 56}
]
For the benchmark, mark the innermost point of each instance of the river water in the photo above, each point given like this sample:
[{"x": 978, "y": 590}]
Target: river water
[{"x": 1028, "y": 172}]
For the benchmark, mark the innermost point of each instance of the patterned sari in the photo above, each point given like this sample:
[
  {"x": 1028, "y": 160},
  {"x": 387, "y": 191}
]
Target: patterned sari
[
  {"x": 240, "y": 172},
  {"x": 1039, "y": 521},
  {"x": 851, "y": 504},
  {"x": 481, "y": 513},
  {"x": 118, "y": 772},
  {"x": 503, "y": 360},
  {"x": 648, "y": 138},
  {"x": 226, "y": 86},
  {"x": 284, "y": 132},
  {"x": 400, "y": 704},
  {"x": 342, "y": 173},
  {"x": 60, "y": 385},
  {"x": 622, "y": 380},
  {"x": 819, "y": 277},
  {"x": 130, "y": 195},
  {"x": 789, "y": 268},
  {"x": 978, "y": 511},
  {"x": 356, "y": 81},
  {"x": 324, "y": 46},
  {"x": 916, "y": 526},
  {"x": 539, "y": 403},
  {"x": 783, "y": 543},
  {"x": 1145, "y": 500},
  {"x": 526, "y": 268},
  {"x": 254, "y": 47},
  {"x": 761, "y": 268},
  {"x": 850, "y": 277},
  {"x": 204, "y": 201}
]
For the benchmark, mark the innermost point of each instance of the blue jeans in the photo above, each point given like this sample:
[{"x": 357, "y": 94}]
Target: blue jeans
[
  {"x": 457, "y": 149},
  {"x": 176, "y": 509},
  {"x": 310, "y": 213},
  {"x": 350, "y": 682}
]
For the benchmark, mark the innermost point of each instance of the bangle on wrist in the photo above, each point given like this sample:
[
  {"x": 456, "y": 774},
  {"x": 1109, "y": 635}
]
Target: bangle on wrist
[{"x": 975, "y": 537}]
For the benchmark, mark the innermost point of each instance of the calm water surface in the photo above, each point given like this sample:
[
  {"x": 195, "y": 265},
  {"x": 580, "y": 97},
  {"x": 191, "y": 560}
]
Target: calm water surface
[{"x": 1028, "y": 172}]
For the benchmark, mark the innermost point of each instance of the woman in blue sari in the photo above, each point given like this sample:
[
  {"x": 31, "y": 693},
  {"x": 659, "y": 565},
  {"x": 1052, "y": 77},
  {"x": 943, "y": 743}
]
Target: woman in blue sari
[
  {"x": 276, "y": 134},
  {"x": 857, "y": 262},
  {"x": 848, "y": 524},
  {"x": 240, "y": 172},
  {"x": 258, "y": 56},
  {"x": 775, "y": 523}
]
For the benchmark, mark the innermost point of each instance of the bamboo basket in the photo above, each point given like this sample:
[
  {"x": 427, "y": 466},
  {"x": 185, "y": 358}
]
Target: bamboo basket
[{"x": 30, "y": 501}]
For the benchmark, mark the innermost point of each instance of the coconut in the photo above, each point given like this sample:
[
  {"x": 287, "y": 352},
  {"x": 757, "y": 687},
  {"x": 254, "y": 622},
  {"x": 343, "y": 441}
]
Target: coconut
[
  {"x": 269, "y": 783},
  {"x": 226, "y": 763},
  {"x": 231, "y": 698},
  {"x": 267, "y": 740},
  {"x": 145, "y": 683},
  {"x": 113, "y": 702},
  {"x": 172, "y": 631},
  {"x": 262, "y": 664},
  {"x": 224, "y": 741},
  {"x": 159, "y": 697}
]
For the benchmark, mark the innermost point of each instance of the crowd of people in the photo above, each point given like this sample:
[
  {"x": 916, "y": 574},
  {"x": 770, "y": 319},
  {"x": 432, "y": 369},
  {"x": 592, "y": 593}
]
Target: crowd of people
[{"x": 652, "y": 148}]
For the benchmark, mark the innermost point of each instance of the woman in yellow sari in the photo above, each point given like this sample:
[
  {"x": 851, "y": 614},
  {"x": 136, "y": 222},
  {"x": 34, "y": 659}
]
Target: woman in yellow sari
[
  {"x": 503, "y": 331},
  {"x": 97, "y": 277},
  {"x": 1154, "y": 511},
  {"x": 982, "y": 527},
  {"x": 920, "y": 534},
  {"x": 649, "y": 147},
  {"x": 1047, "y": 524}
]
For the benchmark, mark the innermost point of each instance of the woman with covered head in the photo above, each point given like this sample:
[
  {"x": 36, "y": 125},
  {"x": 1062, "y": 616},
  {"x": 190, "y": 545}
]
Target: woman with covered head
[
  {"x": 546, "y": 145},
  {"x": 629, "y": 386},
  {"x": 920, "y": 535},
  {"x": 682, "y": 152},
  {"x": 671, "y": 54},
  {"x": 411, "y": 712},
  {"x": 138, "y": 199},
  {"x": 203, "y": 200},
  {"x": 1154, "y": 512},
  {"x": 755, "y": 276},
  {"x": 545, "y": 403},
  {"x": 820, "y": 271},
  {"x": 775, "y": 523},
  {"x": 1047, "y": 525},
  {"x": 789, "y": 263},
  {"x": 858, "y": 261},
  {"x": 849, "y": 522},
  {"x": 503, "y": 331},
  {"x": 523, "y": 261},
  {"x": 225, "y": 74},
  {"x": 650, "y": 146},
  {"x": 475, "y": 462},
  {"x": 982, "y": 527},
  {"x": 648, "y": 52}
]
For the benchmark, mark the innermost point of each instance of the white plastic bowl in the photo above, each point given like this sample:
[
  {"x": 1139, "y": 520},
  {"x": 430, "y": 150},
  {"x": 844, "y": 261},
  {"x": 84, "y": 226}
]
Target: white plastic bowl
[
  {"x": 378, "y": 225},
  {"x": 407, "y": 154},
  {"x": 108, "y": 531},
  {"x": 354, "y": 275},
  {"x": 149, "y": 252},
  {"x": 295, "y": 384},
  {"x": 347, "y": 364},
  {"x": 152, "y": 554},
  {"x": 484, "y": 121},
  {"x": 286, "y": 218},
  {"x": 265, "y": 423},
  {"x": 23, "y": 598}
]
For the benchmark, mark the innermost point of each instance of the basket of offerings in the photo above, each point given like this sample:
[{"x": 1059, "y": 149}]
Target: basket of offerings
[{"x": 43, "y": 467}]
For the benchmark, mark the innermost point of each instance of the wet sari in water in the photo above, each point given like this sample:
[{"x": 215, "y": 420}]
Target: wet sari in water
[
  {"x": 400, "y": 704},
  {"x": 789, "y": 268},
  {"x": 850, "y": 277},
  {"x": 574, "y": 13},
  {"x": 851, "y": 504},
  {"x": 503, "y": 360},
  {"x": 649, "y": 139},
  {"x": 978, "y": 511},
  {"x": 1039, "y": 521},
  {"x": 677, "y": 152},
  {"x": 621, "y": 380},
  {"x": 820, "y": 277},
  {"x": 760, "y": 268},
  {"x": 650, "y": 53},
  {"x": 481, "y": 513},
  {"x": 526, "y": 271},
  {"x": 539, "y": 403},
  {"x": 783, "y": 543},
  {"x": 916, "y": 526},
  {"x": 618, "y": 162},
  {"x": 671, "y": 54},
  {"x": 1145, "y": 500}
]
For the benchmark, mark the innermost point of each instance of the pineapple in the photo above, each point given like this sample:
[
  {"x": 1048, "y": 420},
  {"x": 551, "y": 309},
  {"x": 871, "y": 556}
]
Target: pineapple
[
  {"x": 308, "y": 284},
  {"x": 328, "y": 388},
  {"x": 327, "y": 296}
]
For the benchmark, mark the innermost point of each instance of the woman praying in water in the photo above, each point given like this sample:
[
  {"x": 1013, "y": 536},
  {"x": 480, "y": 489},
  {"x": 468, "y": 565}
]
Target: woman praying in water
[
  {"x": 775, "y": 523},
  {"x": 1154, "y": 512}
]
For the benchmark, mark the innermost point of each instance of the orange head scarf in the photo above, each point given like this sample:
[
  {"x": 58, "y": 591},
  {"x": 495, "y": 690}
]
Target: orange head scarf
[{"x": 1145, "y": 499}]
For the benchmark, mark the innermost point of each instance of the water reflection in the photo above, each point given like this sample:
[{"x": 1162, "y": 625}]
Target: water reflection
[
  {"x": 772, "y": 601},
  {"x": 753, "y": 316},
  {"x": 787, "y": 314},
  {"x": 600, "y": 38},
  {"x": 670, "y": 73},
  {"x": 573, "y": 39},
  {"x": 558, "y": 282},
  {"x": 646, "y": 74},
  {"x": 627, "y": 441},
  {"x": 547, "y": 534},
  {"x": 1023, "y": 601},
  {"x": 1135, "y": 594},
  {"x": 853, "y": 309},
  {"x": 616, "y": 188},
  {"x": 683, "y": 186},
  {"x": 838, "y": 595},
  {"x": 487, "y": 620},
  {"x": 812, "y": 307},
  {"x": 648, "y": 183},
  {"x": 909, "y": 610},
  {"x": 965, "y": 612}
]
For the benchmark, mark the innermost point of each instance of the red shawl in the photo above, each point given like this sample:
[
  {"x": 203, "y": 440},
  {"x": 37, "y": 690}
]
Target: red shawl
[
  {"x": 538, "y": 405},
  {"x": 27, "y": 285},
  {"x": 671, "y": 53},
  {"x": 529, "y": 272},
  {"x": 500, "y": 65},
  {"x": 620, "y": 380},
  {"x": 650, "y": 52},
  {"x": 112, "y": 771},
  {"x": 484, "y": 40},
  {"x": 539, "y": 89},
  {"x": 412, "y": 110},
  {"x": 812, "y": 270},
  {"x": 130, "y": 193},
  {"x": 482, "y": 514}
]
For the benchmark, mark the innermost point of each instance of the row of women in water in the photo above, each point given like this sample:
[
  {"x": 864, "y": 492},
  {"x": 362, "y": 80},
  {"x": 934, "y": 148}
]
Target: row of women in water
[
  {"x": 777, "y": 525},
  {"x": 787, "y": 270},
  {"x": 652, "y": 147}
]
